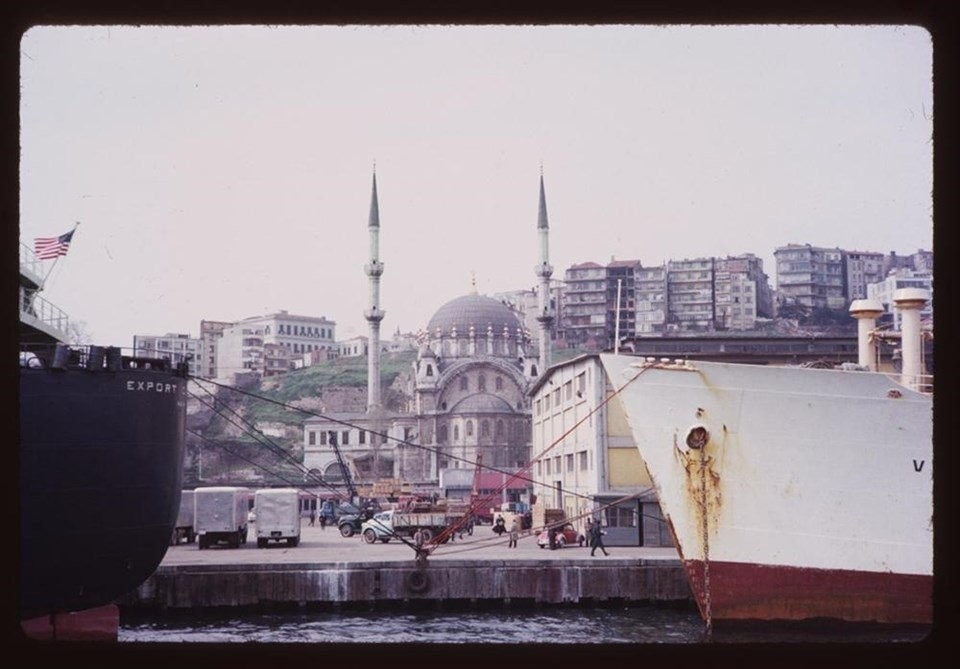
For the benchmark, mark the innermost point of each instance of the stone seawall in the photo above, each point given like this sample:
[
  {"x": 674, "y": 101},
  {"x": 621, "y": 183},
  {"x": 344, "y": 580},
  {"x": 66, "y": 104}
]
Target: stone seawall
[{"x": 482, "y": 581}]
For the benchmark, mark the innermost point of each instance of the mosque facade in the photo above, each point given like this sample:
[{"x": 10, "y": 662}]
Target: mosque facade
[{"x": 474, "y": 367}]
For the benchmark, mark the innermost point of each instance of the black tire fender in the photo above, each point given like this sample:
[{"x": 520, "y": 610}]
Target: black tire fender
[{"x": 417, "y": 581}]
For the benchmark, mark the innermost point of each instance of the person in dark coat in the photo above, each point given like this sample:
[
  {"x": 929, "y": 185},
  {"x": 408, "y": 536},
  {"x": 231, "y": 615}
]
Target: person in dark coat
[
  {"x": 552, "y": 537},
  {"x": 499, "y": 526},
  {"x": 596, "y": 538}
]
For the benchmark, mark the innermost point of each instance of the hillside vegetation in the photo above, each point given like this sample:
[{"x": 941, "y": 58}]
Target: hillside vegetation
[{"x": 304, "y": 383}]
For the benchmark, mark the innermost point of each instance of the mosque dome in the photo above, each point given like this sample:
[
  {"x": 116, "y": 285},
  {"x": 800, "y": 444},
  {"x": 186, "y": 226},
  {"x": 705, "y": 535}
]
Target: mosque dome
[{"x": 476, "y": 310}]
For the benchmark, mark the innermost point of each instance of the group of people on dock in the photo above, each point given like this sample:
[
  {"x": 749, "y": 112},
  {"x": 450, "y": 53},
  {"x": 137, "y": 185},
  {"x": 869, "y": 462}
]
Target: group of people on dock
[{"x": 595, "y": 534}]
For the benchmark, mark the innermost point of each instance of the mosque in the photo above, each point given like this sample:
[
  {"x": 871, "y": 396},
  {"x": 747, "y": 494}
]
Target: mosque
[{"x": 474, "y": 367}]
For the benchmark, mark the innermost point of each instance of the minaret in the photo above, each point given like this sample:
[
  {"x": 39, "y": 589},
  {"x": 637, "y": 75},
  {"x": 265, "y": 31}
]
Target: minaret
[
  {"x": 544, "y": 271},
  {"x": 374, "y": 314}
]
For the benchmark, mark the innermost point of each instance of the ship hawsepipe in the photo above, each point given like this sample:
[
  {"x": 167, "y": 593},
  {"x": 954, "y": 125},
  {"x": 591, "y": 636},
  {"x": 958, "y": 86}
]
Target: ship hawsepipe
[{"x": 101, "y": 466}]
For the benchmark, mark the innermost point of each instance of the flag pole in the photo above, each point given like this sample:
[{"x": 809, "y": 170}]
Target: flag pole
[{"x": 57, "y": 259}]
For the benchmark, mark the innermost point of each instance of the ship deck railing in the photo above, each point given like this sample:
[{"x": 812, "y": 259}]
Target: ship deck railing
[
  {"x": 88, "y": 356},
  {"x": 44, "y": 311},
  {"x": 922, "y": 383}
]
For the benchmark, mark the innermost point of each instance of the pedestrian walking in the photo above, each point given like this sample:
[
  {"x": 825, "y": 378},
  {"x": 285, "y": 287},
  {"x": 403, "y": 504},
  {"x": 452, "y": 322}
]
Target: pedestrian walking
[
  {"x": 596, "y": 538},
  {"x": 323, "y": 521},
  {"x": 313, "y": 517},
  {"x": 552, "y": 537},
  {"x": 514, "y": 533}
]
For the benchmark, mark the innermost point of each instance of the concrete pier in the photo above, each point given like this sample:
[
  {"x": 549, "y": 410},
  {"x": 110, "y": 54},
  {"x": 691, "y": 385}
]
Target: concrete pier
[{"x": 327, "y": 569}]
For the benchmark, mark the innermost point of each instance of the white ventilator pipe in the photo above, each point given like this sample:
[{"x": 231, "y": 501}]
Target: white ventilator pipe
[
  {"x": 866, "y": 312},
  {"x": 909, "y": 301}
]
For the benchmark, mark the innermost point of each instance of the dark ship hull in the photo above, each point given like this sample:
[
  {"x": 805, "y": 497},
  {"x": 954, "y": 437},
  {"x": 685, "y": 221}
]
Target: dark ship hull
[{"x": 101, "y": 466}]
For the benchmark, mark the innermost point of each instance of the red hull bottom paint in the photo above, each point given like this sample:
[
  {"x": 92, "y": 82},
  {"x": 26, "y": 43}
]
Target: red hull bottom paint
[
  {"x": 99, "y": 624},
  {"x": 743, "y": 591}
]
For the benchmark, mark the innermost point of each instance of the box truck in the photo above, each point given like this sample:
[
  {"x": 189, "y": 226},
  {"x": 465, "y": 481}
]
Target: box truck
[
  {"x": 183, "y": 530},
  {"x": 220, "y": 515},
  {"x": 278, "y": 516}
]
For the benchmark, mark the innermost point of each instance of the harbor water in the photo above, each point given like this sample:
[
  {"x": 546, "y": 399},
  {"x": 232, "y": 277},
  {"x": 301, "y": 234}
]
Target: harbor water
[{"x": 648, "y": 624}]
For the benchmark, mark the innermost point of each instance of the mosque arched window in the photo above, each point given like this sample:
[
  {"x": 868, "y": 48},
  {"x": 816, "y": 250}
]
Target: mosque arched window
[
  {"x": 469, "y": 428},
  {"x": 463, "y": 382},
  {"x": 482, "y": 383},
  {"x": 456, "y": 433},
  {"x": 499, "y": 383},
  {"x": 484, "y": 428},
  {"x": 442, "y": 434},
  {"x": 429, "y": 369},
  {"x": 498, "y": 430}
]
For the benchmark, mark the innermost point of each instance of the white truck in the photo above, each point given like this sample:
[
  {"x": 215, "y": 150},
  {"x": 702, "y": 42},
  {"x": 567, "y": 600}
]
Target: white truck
[
  {"x": 220, "y": 515},
  {"x": 183, "y": 529},
  {"x": 388, "y": 524},
  {"x": 278, "y": 516}
]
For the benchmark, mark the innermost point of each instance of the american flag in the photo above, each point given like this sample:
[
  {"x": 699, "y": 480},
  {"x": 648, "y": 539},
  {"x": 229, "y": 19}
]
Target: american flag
[{"x": 51, "y": 247}]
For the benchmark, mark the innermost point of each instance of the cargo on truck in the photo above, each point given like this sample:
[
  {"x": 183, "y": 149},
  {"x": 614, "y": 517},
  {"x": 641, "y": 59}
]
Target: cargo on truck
[
  {"x": 389, "y": 524},
  {"x": 183, "y": 529},
  {"x": 278, "y": 516},
  {"x": 220, "y": 515}
]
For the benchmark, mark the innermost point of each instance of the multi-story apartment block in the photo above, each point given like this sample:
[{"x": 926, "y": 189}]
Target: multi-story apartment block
[
  {"x": 584, "y": 315},
  {"x": 741, "y": 291},
  {"x": 861, "y": 268},
  {"x": 175, "y": 347},
  {"x": 621, "y": 285},
  {"x": 277, "y": 359},
  {"x": 690, "y": 299},
  {"x": 650, "y": 300},
  {"x": 242, "y": 346},
  {"x": 298, "y": 333},
  {"x": 901, "y": 278},
  {"x": 921, "y": 261},
  {"x": 239, "y": 350},
  {"x": 810, "y": 276},
  {"x": 526, "y": 302},
  {"x": 210, "y": 333},
  {"x": 831, "y": 278},
  {"x": 702, "y": 294}
]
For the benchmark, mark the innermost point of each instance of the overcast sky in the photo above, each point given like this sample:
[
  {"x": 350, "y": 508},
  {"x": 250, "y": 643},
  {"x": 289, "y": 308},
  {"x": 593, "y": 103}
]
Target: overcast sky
[{"x": 225, "y": 172}]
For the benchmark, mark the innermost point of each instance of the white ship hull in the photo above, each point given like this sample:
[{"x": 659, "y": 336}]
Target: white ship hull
[{"x": 791, "y": 493}]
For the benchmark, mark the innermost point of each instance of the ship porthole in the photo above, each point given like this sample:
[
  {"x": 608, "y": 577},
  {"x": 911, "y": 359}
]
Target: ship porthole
[
  {"x": 417, "y": 581},
  {"x": 698, "y": 437}
]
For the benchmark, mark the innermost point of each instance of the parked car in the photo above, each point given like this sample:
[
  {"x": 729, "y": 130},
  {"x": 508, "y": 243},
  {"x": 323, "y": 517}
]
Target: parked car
[
  {"x": 350, "y": 523},
  {"x": 567, "y": 535}
]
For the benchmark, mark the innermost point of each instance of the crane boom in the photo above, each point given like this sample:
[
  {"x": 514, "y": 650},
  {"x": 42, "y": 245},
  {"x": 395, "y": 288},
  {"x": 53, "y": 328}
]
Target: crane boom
[{"x": 347, "y": 474}]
